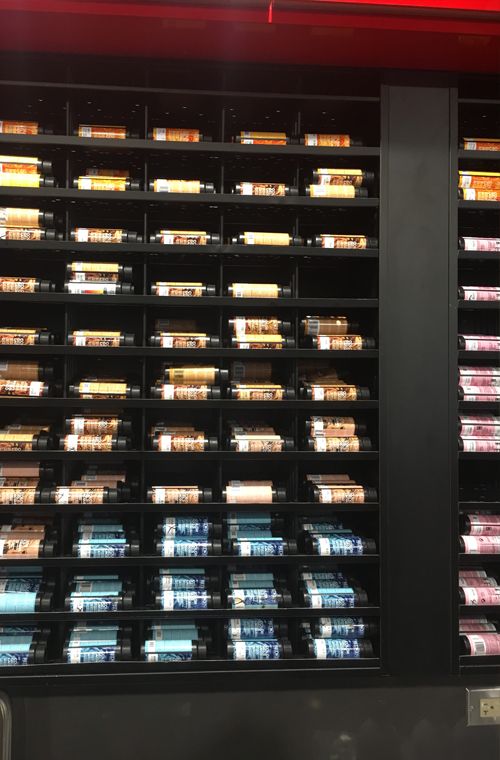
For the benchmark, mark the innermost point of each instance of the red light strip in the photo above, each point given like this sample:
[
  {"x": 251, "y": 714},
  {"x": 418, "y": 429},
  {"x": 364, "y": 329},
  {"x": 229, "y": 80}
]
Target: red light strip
[{"x": 487, "y": 6}]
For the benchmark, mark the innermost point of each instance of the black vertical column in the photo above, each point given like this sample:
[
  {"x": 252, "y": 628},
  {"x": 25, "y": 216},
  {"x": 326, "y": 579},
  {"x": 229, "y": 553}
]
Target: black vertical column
[{"x": 414, "y": 382}]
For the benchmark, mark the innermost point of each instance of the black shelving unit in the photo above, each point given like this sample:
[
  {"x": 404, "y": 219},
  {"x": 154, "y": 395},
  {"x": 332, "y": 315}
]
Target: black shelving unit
[
  {"x": 322, "y": 281},
  {"x": 475, "y": 484}
]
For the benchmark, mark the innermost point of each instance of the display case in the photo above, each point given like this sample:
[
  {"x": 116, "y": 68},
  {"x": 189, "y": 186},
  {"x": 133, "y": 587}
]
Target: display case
[
  {"x": 189, "y": 391},
  {"x": 476, "y": 273}
]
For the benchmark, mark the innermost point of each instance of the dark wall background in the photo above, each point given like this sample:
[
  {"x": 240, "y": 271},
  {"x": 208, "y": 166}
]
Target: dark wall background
[{"x": 383, "y": 723}]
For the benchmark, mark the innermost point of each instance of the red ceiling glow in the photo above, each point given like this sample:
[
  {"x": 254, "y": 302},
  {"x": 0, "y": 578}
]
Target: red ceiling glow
[{"x": 460, "y": 35}]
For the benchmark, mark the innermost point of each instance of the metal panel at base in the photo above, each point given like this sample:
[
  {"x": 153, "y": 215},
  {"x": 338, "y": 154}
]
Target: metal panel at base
[{"x": 391, "y": 723}]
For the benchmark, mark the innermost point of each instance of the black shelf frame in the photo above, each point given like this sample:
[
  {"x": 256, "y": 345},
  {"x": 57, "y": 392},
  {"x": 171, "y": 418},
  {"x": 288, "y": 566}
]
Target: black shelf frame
[
  {"x": 223, "y": 93},
  {"x": 477, "y": 506},
  {"x": 481, "y": 305},
  {"x": 302, "y": 508},
  {"x": 479, "y": 205},
  {"x": 476, "y": 255},
  {"x": 152, "y": 198},
  {"x": 478, "y": 559},
  {"x": 202, "y": 456},
  {"x": 491, "y": 356},
  {"x": 201, "y": 354},
  {"x": 145, "y": 257},
  {"x": 478, "y": 406},
  {"x": 205, "y": 251},
  {"x": 479, "y": 155},
  {"x": 219, "y": 560},
  {"x": 121, "y": 673},
  {"x": 212, "y": 148},
  {"x": 474, "y": 456},
  {"x": 149, "y": 403},
  {"x": 203, "y": 301},
  {"x": 157, "y": 614}
]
